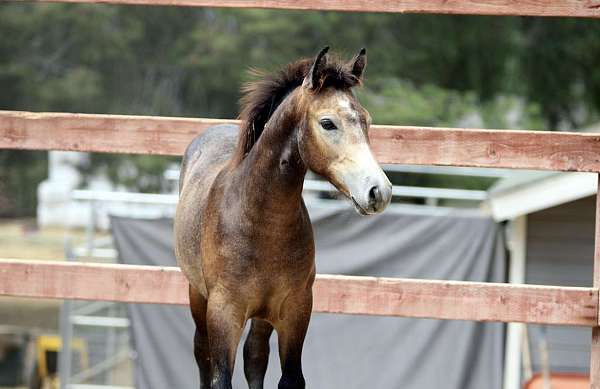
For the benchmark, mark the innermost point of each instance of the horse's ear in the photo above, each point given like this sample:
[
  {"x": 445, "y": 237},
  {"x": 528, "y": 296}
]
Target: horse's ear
[
  {"x": 311, "y": 81},
  {"x": 358, "y": 64}
]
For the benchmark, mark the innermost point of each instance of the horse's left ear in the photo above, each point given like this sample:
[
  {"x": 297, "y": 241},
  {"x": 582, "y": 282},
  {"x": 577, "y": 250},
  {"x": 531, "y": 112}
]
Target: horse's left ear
[{"x": 358, "y": 64}]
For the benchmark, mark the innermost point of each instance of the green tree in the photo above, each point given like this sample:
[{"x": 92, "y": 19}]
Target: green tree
[{"x": 174, "y": 61}]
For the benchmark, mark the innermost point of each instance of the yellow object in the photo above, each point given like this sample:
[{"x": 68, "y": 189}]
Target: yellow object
[{"x": 53, "y": 343}]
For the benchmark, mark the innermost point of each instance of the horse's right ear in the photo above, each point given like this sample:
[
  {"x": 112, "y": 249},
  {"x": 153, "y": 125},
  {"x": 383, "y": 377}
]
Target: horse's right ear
[
  {"x": 358, "y": 64},
  {"x": 311, "y": 81}
]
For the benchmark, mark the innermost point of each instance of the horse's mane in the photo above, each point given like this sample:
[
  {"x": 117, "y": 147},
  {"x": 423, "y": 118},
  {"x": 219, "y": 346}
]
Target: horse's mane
[{"x": 262, "y": 97}]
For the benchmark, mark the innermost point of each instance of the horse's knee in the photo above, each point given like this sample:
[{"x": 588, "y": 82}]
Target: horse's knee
[
  {"x": 254, "y": 353},
  {"x": 255, "y": 366}
]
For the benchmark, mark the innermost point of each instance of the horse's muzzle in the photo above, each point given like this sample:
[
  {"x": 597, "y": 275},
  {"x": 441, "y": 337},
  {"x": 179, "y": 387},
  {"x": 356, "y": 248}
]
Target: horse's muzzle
[
  {"x": 363, "y": 181},
  {"x": 379, "y": 198},
  {"x": 373, "y": 196}
]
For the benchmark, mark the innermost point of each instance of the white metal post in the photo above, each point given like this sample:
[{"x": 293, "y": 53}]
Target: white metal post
[{"x": 517, "y": 246}]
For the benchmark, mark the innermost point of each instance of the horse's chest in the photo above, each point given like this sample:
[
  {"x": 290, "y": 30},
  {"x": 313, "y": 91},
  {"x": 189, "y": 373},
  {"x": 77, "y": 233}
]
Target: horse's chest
[
  {"x": 270, "y": 239},
  {"x": 261, "y": 264},
  {"x": 281, "y": 257},
  {"x": 268, "y": 252}
]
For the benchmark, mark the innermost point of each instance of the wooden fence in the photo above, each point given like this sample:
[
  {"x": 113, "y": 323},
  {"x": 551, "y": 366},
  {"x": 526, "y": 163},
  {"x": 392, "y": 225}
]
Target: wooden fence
[
  {"x": 392, "y": 144},
  {"x": 569, "y": 8}
]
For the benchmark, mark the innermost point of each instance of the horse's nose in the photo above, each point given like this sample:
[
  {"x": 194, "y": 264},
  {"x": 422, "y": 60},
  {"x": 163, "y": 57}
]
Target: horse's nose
[
  {"x": 379, "y": 197},
  {"x": 374, "y": 196}
]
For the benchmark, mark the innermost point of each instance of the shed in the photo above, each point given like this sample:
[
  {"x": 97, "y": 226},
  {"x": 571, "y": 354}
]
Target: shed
[{"x": 550, "y": 220}]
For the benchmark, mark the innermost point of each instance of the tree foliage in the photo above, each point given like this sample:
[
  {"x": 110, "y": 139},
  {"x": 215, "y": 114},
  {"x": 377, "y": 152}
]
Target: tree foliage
[{"x": 423, "y": 69}]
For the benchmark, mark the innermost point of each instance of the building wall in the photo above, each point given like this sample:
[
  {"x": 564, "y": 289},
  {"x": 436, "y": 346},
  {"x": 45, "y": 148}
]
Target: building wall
[
  {"x": 57, "y": 207},
  {"x": 560, "y": 251}
]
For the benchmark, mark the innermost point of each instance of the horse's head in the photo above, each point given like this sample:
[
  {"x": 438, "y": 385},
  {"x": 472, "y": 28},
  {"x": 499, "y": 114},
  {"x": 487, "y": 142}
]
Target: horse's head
[{"x": 334, "y": 139}]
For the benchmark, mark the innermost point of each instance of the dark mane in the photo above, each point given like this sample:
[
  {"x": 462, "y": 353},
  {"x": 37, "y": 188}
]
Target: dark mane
[{"x": 262, "y": 97}]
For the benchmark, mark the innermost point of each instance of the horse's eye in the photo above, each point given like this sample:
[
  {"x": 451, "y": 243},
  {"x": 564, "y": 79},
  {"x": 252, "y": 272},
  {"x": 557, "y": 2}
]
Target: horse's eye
[{"x": 328, "y": 125}]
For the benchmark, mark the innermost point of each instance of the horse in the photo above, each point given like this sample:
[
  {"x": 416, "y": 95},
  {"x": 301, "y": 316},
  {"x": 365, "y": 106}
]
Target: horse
[{"x": 243, "y": 237}]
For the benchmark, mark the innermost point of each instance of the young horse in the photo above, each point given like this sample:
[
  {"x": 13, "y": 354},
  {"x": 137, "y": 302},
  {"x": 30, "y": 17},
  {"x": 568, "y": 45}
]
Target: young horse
[{"x": 243, "y": 237}]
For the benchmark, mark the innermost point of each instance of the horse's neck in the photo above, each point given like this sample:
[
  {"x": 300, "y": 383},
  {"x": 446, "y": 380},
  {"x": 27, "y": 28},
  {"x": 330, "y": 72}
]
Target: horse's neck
[{"x": 273, "y": 171}]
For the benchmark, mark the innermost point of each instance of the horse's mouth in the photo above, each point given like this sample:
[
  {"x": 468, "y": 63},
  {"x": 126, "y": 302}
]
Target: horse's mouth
[
  {"x": 358, "y": 208},
  {"x": 362, "y": 211}
]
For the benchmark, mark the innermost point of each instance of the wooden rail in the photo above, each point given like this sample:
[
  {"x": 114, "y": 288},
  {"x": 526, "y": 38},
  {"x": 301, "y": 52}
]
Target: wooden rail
[
  {"x": 391, "y": 144},
  {"x": 332, "y": 294},
  {"x": 571, "y": 8}
]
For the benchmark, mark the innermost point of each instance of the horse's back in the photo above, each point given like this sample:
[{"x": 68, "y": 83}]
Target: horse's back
[
  {"x": 202, "y": 161},
  {"x": 211, "y": 148}
]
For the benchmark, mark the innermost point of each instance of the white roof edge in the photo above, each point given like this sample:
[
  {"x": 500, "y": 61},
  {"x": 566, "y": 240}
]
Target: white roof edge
[{"x": 541, "y": 194}]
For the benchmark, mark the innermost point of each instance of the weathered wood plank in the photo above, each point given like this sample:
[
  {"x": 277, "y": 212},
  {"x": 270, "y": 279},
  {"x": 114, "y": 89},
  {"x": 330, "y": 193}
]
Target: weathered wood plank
[
  {"x": 332, "y": 294},
  {"x": 391, "y": 144},
  {"x": 99, "y": 133},
  {"x": 573, "y": 8},
  {"x": 456, "y": 300},
  {"x": 93, "y": 281},
  {"x": 487, "y": 148}
]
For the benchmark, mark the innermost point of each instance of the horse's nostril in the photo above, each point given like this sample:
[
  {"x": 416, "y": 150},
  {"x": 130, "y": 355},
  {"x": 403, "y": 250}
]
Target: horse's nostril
[{"x": 374, "y": 196}]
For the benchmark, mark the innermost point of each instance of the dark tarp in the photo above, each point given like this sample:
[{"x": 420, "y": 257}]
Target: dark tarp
[{"x": 344, "y": 351}]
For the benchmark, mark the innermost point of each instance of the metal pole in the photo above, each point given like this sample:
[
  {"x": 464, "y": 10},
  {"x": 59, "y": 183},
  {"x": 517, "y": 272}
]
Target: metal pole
[
  {"x": 517, "y": 246},
  {"x": 91, "y": 229},
  {"x": 110, "y": 344},
  {"x": 66, "y": 332}
]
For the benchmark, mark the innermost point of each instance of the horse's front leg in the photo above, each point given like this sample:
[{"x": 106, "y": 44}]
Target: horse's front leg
[
  {"x": 225, "y": 322},
  {"x": 291, "y": 332},
  {"x": 256, "y": 353}
]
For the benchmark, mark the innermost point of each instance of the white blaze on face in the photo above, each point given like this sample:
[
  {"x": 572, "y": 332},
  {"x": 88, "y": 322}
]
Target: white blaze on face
[
  {"x": 356, "y": 168},
  {"x": 345, "y": 107},
  {"x": 343, "y": 100}
]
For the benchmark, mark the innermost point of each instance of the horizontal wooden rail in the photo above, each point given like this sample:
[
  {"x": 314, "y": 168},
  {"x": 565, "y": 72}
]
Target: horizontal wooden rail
[
  {"x": 391, "y": 144},
  {"x": 576, "y": 8},
  {"x": 333, "y": 294}
]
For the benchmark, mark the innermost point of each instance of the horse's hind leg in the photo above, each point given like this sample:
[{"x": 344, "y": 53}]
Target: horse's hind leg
[
  {"x": 201, "y": 350},
  {"x": 256, "y": 353}
]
